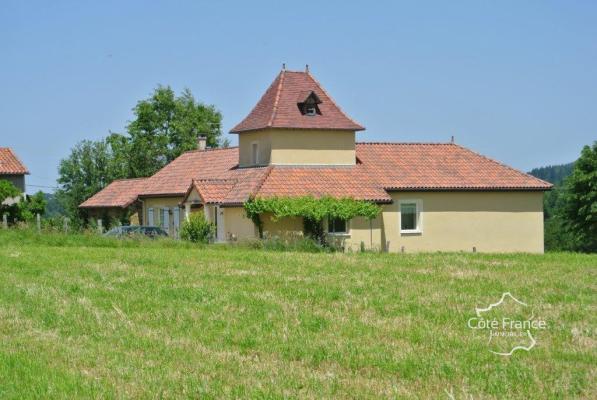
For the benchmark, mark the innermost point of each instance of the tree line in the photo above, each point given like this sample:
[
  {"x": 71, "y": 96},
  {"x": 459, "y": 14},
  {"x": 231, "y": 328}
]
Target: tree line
[{"x": 570, "y": 208}]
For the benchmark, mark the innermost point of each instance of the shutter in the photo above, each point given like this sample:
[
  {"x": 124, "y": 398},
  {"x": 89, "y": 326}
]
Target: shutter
[
  {"x": 166, "y": 220},
  {"x": 176, "y": 216},
  {"x": 150, "y": 216}
]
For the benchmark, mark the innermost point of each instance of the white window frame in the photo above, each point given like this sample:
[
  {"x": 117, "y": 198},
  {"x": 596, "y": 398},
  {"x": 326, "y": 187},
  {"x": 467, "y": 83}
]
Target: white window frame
[
  {"x": 418, "y": 216},
  {"x": 255, "y": 145},
  {"x": 346, "y": 233}
]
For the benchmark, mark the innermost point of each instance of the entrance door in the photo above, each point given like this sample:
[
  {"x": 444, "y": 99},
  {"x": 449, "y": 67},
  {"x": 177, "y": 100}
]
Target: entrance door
[{"x": 219, "y": 221}]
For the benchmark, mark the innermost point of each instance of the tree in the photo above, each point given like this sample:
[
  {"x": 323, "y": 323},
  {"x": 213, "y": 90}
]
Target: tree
[
  {"x": 31, "y": 206},
  {"x": 165, "y": 126},
  {"x": 7, "y": 190},
  {"x": 578, "y": 208},
  {"x": 89, "y": 168}
]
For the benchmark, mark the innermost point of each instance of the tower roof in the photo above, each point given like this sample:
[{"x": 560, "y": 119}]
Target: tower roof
[{"x": 280, "y": 107}]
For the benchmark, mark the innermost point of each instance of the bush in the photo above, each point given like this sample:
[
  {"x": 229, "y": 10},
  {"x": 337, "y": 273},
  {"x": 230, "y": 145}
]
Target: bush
[{"x": 196, "y": 229}]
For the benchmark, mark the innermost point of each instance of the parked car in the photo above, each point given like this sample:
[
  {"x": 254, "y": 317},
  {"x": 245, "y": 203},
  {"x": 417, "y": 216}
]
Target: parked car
[{"x": 131, "y": 230}]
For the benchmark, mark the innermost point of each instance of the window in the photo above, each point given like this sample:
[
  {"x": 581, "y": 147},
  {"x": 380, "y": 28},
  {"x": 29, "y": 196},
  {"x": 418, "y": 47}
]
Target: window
[
  {"x": 337, "y": 226},
  {"x": 410, "y": 216},
  {"x": 254, "y": 153},
  {"x": 310, "y": 104}
]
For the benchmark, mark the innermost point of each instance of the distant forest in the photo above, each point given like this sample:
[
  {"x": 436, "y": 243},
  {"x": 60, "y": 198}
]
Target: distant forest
[{"x": 554, "y": 173}]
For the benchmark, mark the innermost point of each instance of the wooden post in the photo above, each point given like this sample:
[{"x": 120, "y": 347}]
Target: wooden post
[
  {"x": 38, "y": 218},
  {"x": 5, "y": 221},
  {"x": 100, "y": 229}
]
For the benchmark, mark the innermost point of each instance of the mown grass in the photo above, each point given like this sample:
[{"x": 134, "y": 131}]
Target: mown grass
[{"x": 91, "y": 317}]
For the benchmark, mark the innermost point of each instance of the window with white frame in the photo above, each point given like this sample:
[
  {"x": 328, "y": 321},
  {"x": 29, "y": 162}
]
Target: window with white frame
[
  {"x": 337, "y": 226},
  {"x": 410, "y": 216},
  {"x": 254, "y": 153}
]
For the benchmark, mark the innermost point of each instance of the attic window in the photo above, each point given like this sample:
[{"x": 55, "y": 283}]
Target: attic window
[{"x": 308, "y": 104}]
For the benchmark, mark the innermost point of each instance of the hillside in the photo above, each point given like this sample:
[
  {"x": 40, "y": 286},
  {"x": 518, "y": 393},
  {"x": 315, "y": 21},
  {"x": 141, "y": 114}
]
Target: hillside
[{"x": 553, "y": 173}]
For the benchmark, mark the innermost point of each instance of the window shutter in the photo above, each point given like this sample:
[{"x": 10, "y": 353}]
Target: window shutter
[
  {"x": 176, "y": 216},
  {"x": 150, "y": 216},
  {"x": 166, "y": 219}
]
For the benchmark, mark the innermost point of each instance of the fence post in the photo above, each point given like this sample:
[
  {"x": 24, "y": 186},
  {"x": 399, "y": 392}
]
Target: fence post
[
  {"x": 100, "y": 229},
  {"x": 65, "y": 225},
  {"x": 5, "y": 221},
  {"x": 38, "y": 217}
]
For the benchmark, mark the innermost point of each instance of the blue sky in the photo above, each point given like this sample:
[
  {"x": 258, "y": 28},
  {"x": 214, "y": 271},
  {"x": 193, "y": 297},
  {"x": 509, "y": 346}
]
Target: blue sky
[{"x": 516, "y": 81}]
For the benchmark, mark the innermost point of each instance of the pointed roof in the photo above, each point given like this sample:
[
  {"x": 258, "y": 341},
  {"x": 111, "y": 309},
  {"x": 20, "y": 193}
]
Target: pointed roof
[
  {"x": 10, "y": 163},
  {"x": 278, "y": 107}
]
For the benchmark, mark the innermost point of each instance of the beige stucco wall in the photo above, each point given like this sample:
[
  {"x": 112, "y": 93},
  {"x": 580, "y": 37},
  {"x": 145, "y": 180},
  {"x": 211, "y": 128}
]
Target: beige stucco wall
[
  {"x": 360, "y": 229},
  {"x": 245, "y": 140},
  {"x": 459, "y": 221},
  {"x": 237, "y": 225},
  {"x": 161, "y": 202},
  {"x": 301, "y": 147},
  {"x": 313, "y": 147},
  {"x": 291, "y": 227}
]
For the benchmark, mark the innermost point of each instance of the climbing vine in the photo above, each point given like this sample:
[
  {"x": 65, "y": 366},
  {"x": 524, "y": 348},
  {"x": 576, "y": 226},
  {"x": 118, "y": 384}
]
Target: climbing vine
[{"x": 312, "y": 209}]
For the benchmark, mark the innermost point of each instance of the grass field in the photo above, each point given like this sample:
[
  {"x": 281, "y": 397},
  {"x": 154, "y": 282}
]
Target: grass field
[{"x": 84, "y": 317}]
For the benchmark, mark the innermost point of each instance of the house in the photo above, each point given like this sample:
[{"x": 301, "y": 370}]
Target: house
[
  {"x": 297, "y": 141},
  {"x": 12, "y": 170}
]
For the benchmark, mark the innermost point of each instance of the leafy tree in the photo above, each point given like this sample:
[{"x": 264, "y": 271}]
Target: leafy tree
[
  {"x": 89, "y": 168},
  {"x": 7, "y": 190},
  {"x": 31, "y": 206},
  {"x": 165, "y": 126},
  {"x": 579, "y": 202}
]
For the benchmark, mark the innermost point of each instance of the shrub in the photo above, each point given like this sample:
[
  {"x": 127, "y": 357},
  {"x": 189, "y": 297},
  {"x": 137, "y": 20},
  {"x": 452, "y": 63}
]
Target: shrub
[{"x": 196, "y": 229}]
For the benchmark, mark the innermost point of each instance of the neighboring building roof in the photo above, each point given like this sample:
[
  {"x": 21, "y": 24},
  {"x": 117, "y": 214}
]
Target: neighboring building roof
[
  {"x": 382, "y": 167},
  {"x": 120, "y": 193},
  {"x": 278, "y": 107},
  {"x": 10, "y": 163}
]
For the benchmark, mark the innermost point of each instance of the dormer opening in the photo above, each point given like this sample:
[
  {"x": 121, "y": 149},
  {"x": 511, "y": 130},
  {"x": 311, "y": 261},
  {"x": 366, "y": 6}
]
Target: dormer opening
[{"x": 309, "y": 104}]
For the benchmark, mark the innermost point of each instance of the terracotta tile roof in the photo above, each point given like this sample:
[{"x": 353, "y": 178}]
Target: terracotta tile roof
[
  {"x": 382, "y": 167},
  {"x": 278, "y": 107},
  {"x": 440, "y": 166},
  {"x": 175, "y": 178},
  {"x": 120, "y": 193},
  {"x": 352, "y": 181},
  {"x": 10, "y": 163},
  {"x": 212, "y": 190}
]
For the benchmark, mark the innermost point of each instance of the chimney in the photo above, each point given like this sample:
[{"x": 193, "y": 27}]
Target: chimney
[{"x": 201, "y": 142}]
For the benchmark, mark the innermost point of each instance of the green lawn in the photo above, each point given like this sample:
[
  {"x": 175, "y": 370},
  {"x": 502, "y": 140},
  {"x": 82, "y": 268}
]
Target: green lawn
[{"x": 96, "y": 318}]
